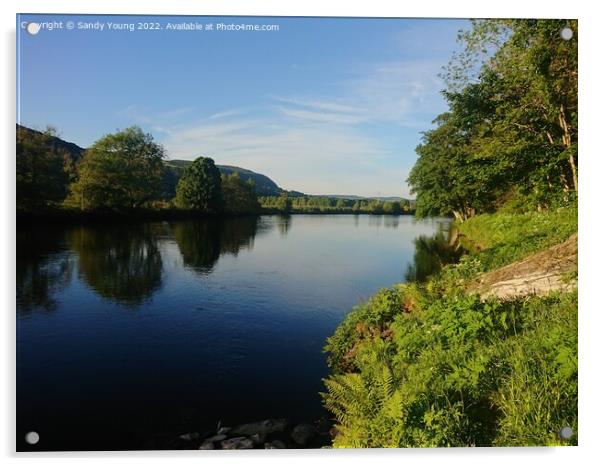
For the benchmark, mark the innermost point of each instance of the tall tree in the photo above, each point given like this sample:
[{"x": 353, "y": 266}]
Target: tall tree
[
  {"x": 511, "y": 124},
  {"x": 123, "y": 169},
  {"x": 200, "y": 187}
]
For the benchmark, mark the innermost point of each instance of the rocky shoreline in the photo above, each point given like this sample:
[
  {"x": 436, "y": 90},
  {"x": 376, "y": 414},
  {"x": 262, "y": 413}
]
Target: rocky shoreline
[{"x": 268, "y": 434}]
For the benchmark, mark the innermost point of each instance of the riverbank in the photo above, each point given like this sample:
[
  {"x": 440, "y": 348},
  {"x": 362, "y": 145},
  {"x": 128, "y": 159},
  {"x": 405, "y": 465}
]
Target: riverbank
[{"x": 443, "y": 363}]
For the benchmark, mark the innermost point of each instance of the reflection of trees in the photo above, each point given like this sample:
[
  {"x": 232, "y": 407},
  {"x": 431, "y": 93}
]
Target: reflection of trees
[
  {"x": 201, "y": 242},
  {"x": 430, "y": 255},
  {"x": 121, "y": 262},
  {"x": 391, "y": 221},
  {"x": 375, "y": 221},
  {"x": 43, "y": 268},
  {"x": 284, "y": 223}
]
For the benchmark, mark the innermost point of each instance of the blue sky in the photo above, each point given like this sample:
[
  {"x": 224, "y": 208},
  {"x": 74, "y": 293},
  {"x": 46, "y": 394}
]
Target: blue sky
[{"x": 323, "y": 106}]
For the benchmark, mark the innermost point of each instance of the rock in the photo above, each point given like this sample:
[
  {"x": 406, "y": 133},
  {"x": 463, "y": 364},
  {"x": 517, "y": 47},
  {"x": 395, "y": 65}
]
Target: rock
[
  {"x": 275, "y": 445},
  {"x": 207, "y": 445},
  {"x": 263, "y": 427},
  {"x": 190, "y": 436},
  {"x": 215, "y": 438},
  {"x": 237, "y": 443},
  {"x": 223, "y": 430},
  {"x": 258, "y": 439},
  {"x": 303, "y": 433}
]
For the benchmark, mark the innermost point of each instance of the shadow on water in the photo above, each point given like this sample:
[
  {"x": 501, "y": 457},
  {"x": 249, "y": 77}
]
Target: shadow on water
[{"x": 432, "y": 253}]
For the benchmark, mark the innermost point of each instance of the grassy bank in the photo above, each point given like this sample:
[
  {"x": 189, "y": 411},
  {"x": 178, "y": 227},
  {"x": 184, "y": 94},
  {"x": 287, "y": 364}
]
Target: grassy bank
[{"x": 424, "y": 365}]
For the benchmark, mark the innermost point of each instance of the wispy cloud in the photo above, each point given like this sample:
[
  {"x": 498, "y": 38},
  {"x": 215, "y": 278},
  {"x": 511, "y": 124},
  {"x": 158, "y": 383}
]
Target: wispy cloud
[
  {"x": 401, "y": 93},
  {"x": 226, "y": 113}
]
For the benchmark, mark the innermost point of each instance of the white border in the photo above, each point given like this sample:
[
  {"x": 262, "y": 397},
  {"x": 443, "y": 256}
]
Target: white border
[{"x": 590, "y": 198}]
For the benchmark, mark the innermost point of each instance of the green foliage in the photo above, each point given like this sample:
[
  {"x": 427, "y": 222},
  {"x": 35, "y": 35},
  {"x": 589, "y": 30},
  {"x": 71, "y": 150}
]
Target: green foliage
[
  {"x": 506, "y": 237},
  {"x": 282, "y": 203},
  {"x": 239, "y": 196},
  {"x": 426, "y": 365},
  {"x": 199, "y": 187},
  {"x": 123, "y": 169},
  {"x": 459, "y": 372},
  {"x": 511, "y": 124},
  {"x": 326, "y": 204},
  {"x": 533, "y": 414},
  {"x": 42, "y": 170}
]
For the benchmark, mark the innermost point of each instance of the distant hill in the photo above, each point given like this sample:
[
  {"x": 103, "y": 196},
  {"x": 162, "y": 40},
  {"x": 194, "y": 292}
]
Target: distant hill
[
  {"x": 57, "y": 144},
  {"x": 264, "y": 186}
]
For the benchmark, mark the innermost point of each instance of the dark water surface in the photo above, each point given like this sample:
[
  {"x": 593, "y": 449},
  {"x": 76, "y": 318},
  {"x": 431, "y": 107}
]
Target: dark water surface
[{"x": 126, "y": 332}]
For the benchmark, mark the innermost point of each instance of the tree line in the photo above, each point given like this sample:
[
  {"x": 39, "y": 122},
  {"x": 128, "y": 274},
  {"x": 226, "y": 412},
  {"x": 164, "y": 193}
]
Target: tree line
[
  {"x": 509, "y": 136},
  {"x": 328, "y": 204},
  {"x": 123, "y": 170},
  {"x": 127, "y": 170}
]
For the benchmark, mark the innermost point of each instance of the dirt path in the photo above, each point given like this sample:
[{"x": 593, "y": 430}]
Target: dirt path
[{"x": 537, "y": 274}]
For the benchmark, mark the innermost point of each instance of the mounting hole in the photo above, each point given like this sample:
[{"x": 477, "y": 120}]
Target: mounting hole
[
  {"x": 32, "y": 437},
  {"x": 33, "y": 28},
  {"x": 566, "y": 33},
  {"x": 565, "y": 433}
]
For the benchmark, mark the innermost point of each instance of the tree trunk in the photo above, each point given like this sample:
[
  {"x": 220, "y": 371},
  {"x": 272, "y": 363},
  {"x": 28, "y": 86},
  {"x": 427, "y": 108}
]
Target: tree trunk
[
  {"x": 566, "y": 140},
  {"x": 459, "y": 216}
]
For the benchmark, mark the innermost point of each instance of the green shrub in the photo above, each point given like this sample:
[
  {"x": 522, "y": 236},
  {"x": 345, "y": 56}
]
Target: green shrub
[
  {"x": 502, "y": 238},
  {"x": 462, "y": 372}
]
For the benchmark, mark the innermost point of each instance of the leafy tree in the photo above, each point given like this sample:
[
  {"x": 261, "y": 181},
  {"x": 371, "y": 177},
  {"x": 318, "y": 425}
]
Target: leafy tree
[
  {"x": 284, "y": 203},
  {"x": 239, "y": 196},
  {"x": 199, "y": 187},
  {"x": 341, "y": 204},
  {"x": 123, "y": 169},
  {"x": 42, "y": 176},
  {"x": 511, "y": 125}
]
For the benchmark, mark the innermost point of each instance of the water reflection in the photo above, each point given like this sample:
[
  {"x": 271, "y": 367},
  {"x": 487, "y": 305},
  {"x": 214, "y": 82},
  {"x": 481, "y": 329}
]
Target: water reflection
[
  {"x": 121, "y": 263},
  {"x": 432, "y": 253},
  {"x": 44, "y": 268},
  {"x": 201, "y": 242},
  {"x": 284, "y": 223},
  {"x": 391, "y": 221}
]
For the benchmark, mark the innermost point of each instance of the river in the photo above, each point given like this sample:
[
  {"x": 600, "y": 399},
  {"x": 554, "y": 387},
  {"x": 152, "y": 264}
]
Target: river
[{"x": 129, "y": 331}]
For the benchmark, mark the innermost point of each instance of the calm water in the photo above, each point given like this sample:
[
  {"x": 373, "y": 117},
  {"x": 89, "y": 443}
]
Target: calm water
[{"x": 130, "y": 331}]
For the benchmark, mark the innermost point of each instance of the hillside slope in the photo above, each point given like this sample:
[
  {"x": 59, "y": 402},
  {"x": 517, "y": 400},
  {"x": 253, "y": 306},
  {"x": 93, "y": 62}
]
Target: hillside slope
[{"x": 264, "y": 186}]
